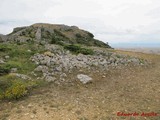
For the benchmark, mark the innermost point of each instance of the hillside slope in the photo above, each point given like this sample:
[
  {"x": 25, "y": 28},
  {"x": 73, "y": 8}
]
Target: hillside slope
[{"x": 54, "y": 33}]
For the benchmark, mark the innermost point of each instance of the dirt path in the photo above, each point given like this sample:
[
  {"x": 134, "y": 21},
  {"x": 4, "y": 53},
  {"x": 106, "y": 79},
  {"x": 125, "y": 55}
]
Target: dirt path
[{"x": 127, "y": 90}]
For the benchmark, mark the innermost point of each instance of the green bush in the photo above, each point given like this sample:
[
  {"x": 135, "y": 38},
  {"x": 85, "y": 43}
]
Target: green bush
[
  {"x": 4, "y": 84},
  {"x": 17, "y": 90},
  {"x": 60, "y": 34},
  {"x": 4, "y": 71},
  {"x": 6, "y": 68},
  {"x": 12, "y": 87},
  {"x": 78, "y": 49},
  {"x": 20, "y": 53},
  {"x": 90, "y": 35},
  {"x": 4, "y": 48},
  {"x": 78, "y": 35}
]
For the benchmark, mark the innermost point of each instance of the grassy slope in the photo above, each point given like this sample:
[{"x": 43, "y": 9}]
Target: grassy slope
[{"x": 19, "y": 56}]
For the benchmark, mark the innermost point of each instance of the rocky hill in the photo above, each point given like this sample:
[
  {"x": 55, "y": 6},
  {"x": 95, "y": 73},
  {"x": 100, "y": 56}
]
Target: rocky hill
[
  {"x": 52, "y": 33},
  {"x": 3, "y": 38},
  {"x": 55, "y": 53},
  {"x": 57, "y": 72}
]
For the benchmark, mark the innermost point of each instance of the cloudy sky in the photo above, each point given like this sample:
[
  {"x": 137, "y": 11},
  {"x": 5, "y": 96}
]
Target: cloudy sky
[{"x": 113, "y": 21}]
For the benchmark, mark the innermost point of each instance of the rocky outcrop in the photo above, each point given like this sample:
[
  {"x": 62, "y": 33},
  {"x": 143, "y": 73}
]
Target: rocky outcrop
[
  {"x": 61, "y": 57},
  {"x": 57, "y": 61},
  {"x": 38, "y": 34},
  {"x": 3, "y": 38},
  {"x": 55, "y": 34}
]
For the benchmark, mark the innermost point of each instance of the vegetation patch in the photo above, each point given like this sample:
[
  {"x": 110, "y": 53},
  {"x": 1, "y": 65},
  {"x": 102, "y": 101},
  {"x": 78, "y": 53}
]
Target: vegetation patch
[
  {"x": 19, "y": 57},
  {"x": 4, "y": 48},
  {"x": 76, "y": 49},
  {"x": 12, "y": 87}
]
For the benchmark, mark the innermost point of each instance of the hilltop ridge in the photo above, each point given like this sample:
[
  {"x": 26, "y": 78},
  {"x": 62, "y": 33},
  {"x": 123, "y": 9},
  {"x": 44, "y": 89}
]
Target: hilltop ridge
[{"x": 53, "y": 33}]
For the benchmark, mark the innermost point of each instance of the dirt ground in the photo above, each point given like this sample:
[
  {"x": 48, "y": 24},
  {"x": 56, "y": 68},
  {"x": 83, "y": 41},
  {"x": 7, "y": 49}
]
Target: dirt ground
[{"x": 126, "y": 90}]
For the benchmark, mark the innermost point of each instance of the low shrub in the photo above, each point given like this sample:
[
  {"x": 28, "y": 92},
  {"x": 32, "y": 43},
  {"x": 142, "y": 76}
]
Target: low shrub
[
  {"x": 4, "y": 71},
  {"x": 78, "y": 49},
  {"x": 79, "y": 35},
  {"x": 12, "y": 87},
  {"x": 15, "y": 91},
  {"x": 4, "y": 48},
  {"x": 90, "y": 35}
]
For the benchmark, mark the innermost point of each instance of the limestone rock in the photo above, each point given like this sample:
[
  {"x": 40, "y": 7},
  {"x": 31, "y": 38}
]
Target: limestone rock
[
  {"x": 38, "y": 34},
  {"x": 6, "y": 57},
  {"x": 1, "y": 61},
  {"x": 25, "y": 77},
  {"x": 84, "y": 78},
  {"x": 14, "y": 70},
  {"x": 50, "y": 78}
]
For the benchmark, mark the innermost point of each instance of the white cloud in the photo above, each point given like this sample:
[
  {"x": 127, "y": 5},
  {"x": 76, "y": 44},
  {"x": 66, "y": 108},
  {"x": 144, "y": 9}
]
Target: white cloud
[{"x": 113, "y": 21}]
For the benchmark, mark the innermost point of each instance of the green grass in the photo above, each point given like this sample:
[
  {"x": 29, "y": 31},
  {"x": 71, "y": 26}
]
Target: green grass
[
  {"x": 19, "y": 56},
  {"x": 12, "y": 87}
]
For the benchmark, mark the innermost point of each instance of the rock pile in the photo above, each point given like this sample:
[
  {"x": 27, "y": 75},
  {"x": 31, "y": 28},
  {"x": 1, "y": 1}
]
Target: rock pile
[{"x": 58, "y": 61}]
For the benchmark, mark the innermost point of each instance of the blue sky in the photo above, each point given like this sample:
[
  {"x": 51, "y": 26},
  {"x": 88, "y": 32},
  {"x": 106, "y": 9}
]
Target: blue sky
[{"x": 116, "y": 21}]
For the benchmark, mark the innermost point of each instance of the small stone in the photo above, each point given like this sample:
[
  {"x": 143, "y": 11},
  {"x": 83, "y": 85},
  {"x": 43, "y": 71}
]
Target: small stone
[
  {"x": 50, "y": 78},
  {"x": 25, "y": 77},
  {"x": 1, "y": 61},
  {"x": 30, "y": 105},
  {"x": 7, "y": 57},
  {"x": 48, "y": 53},
  {"x": 63, "y": 75},
  {"x": 13, "y": 70},
  {"x": 84, "y": 78},
  {"x": 28, "y": 50},
  {"x": 26, "y": 114},
  {"x": 103, "y": 76},
  {"x": 32, "y": 116}
]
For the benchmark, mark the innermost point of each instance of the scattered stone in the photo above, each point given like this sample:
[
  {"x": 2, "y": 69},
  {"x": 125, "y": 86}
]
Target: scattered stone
[
  {"x": 50, "y": 78},
  {"x": 30, "y": 105},
  {"x": 84, "y": 78},
  {"x": 24, "y": 77},
  {"x": 48, "y": 53},
  {"x": 29, "y": 51},
  {"x": 32, "y": 116},
  {"x": 14, "y": 70},
  {"x": 7, "y": 57},
  {"x": 41, "y": 68},
  {"x": 26, "y": 114},
  {"x": 135, "y": 61},
  {"x": 63, "y": 75},
  {"x": 103, "y": 76},
  {"x": 1, "y": 61}
]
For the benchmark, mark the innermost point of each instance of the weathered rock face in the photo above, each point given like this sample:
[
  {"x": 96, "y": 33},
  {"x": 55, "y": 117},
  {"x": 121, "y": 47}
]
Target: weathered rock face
[
  {"x": 52, "y": 33},
  {"x": 57, "y": 61},
  {"x": 3, "y": 38},
  {"x": 38, "y": 34},
  {"x": 15, "y": 30}
]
